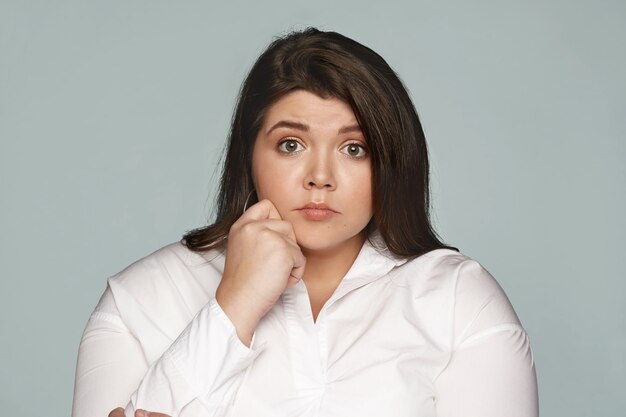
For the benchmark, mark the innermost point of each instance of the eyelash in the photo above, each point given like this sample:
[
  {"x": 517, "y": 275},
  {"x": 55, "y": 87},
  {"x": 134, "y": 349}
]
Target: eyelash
[
  {"x": 283, "y": 142},
  {"x": 363, "y": 148},
  {"x": 360, "y": 145}
]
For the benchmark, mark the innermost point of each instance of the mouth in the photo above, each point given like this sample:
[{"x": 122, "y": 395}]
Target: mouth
[{"x": 317, "y": 211}]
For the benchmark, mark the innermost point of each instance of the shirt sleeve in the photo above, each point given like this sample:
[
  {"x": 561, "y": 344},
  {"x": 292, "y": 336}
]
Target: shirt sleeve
[
  {"x": 110, "y": 362},
  {"x": 201, "y": 369},
  {"x": 491, "y": 370}
]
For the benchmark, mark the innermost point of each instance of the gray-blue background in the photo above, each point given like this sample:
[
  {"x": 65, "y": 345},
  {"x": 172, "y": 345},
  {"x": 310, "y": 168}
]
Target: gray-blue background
[{"x": 113, "y": 115}]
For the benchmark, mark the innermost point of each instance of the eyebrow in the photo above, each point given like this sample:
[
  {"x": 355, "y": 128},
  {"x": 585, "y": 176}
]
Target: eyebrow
[
  {"x": 349, "y": 129},
  {"x": 288, "y": 124},
  {"x": 305, "y": 128}
]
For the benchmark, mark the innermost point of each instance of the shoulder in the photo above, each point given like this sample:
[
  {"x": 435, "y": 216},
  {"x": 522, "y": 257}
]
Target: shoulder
[
  {"x": 157, "y": 295},
  {"x": 457, "y": 291},
  {"x": 171, "y": 265},
  {"x": 444, "y": 269}
]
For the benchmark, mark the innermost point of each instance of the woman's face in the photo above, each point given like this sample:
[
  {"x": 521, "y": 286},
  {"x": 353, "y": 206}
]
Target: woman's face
[{"x": 311, "y": 150}]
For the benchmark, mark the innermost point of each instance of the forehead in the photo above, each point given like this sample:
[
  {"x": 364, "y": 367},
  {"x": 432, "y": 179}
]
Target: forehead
[{"x": 315, "y": 111}]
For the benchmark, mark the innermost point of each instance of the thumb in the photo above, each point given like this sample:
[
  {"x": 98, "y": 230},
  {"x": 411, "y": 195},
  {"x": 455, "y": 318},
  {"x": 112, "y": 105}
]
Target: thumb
[{"x": 272, "y": 210}]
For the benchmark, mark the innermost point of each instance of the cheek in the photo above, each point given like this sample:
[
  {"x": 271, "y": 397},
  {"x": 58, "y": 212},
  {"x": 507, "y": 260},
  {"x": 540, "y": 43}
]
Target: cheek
[
  {"x": 271, "y": 181},
  {"x": 367, "y": 201},
  {"x": 362, "y": 190},
  {"x": 262, "y": 174}
]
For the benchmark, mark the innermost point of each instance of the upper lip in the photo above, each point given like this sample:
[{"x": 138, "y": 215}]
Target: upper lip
[{"x": 317, "y": 206}]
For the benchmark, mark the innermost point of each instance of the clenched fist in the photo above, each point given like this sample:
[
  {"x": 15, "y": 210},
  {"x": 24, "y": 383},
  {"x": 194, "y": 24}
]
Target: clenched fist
[{"x": 262, "y": 260}]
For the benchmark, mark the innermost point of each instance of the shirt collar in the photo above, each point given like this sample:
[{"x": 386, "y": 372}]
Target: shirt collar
[{"x": 373, "y": 261}]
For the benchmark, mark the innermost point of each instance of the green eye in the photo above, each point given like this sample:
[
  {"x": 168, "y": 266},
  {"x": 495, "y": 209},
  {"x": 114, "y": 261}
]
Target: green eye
[
  {"x": 355, "y": 150},
  {"x": 289, "y": 146}
]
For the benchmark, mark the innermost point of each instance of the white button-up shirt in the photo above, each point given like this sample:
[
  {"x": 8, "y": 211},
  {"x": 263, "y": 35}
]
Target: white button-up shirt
[{"x": 432, "y": 336}]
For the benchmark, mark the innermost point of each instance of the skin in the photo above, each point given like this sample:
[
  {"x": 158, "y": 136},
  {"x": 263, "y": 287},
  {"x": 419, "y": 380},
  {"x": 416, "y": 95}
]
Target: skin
[
  {"x": 119, "y": 412},
  {"x": 317, "y": 165},
  {"x": 309, "y": 149}
]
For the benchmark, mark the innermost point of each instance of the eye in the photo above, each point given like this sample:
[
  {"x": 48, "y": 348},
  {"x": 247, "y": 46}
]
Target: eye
[
  {"x": 289, "y": 146},
  {"x": 355, "y": 150}
]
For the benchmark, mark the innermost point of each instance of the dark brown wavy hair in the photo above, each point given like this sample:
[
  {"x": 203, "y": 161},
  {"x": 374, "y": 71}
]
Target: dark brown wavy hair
[{"x": 331, "y": 65}]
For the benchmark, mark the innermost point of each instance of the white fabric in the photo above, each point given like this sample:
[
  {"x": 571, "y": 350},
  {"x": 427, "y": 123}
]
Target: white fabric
[{"x": 433, "y": 336}]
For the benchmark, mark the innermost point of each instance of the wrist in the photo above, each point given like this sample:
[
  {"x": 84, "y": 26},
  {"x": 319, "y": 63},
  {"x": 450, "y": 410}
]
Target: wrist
[{"x": 238, "y": 312}]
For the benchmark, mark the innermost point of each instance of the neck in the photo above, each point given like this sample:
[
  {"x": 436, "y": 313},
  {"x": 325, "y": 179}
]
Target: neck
[{"x": 327, "y": 267}]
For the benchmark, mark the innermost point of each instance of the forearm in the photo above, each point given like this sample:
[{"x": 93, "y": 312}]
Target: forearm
[{"x": 205, "y": 365}]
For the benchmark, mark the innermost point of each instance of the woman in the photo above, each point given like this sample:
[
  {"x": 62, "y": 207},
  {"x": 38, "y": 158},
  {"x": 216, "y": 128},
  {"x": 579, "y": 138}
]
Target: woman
[{"x": 321, "y": 289}]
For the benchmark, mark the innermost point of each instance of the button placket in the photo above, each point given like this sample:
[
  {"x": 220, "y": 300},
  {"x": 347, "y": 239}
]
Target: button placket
[{"x": 304, "y": 347}]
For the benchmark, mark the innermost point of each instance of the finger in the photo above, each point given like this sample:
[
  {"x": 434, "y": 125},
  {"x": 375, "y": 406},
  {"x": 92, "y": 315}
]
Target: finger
[
  {"x": 118, "y": 412},
  {"x": 265, "y": 210},
  {"x": 291, "y": 233},
  {"x": 262, "y": 210},
  {"x": 272, "y": 210},
  {"x": 282, "y": 227},
  {"x": 292, "y": 281},
  {"x": 143, "y": 413},
  {"x": 299, "y": 263}
]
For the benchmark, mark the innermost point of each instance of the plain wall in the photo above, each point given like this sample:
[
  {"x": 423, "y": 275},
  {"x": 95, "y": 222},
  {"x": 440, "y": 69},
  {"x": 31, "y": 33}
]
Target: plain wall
[{"x": 113, "y": 115}]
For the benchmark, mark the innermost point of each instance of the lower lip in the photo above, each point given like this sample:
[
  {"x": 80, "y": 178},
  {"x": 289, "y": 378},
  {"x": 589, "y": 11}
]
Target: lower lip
[{"x": 317, "y": 214}]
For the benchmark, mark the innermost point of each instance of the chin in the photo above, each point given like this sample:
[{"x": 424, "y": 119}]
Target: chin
[{"x": 322, "y": 240}]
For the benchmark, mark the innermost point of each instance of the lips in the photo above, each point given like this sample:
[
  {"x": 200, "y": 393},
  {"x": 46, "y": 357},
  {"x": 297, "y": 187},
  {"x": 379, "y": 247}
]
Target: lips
[
  {"x": 317, "y": 206},
  {"x": 317, "y": 211}
]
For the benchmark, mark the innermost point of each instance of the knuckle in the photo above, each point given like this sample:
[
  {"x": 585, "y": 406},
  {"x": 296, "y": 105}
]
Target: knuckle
[
  {"x": 248, "y": 228},
  {"x": 266, "y": 234}
]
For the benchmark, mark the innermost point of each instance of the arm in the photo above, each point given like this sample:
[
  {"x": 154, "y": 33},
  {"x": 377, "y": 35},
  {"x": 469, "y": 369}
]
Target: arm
[
  {"x": 207, "y": 360},
  {"x": 490, "y": 375},
  {"x": 111, "y": 365},
  {"x": 206, "y": 363},
  {"x": 200, "y": 372},
  {"x": 491, "y": 370}
]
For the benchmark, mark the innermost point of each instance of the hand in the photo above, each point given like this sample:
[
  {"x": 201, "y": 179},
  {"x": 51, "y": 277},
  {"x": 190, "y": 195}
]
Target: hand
[
  {"x": 119, "y": 412},
  {"x": 262, "y": 260}
]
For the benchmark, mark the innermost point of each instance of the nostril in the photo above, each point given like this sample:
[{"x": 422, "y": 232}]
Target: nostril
[{"x": 314, "y": 184}]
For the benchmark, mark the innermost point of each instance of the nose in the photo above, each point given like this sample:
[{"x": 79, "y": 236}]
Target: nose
[{"x": 320, "y": 173}]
